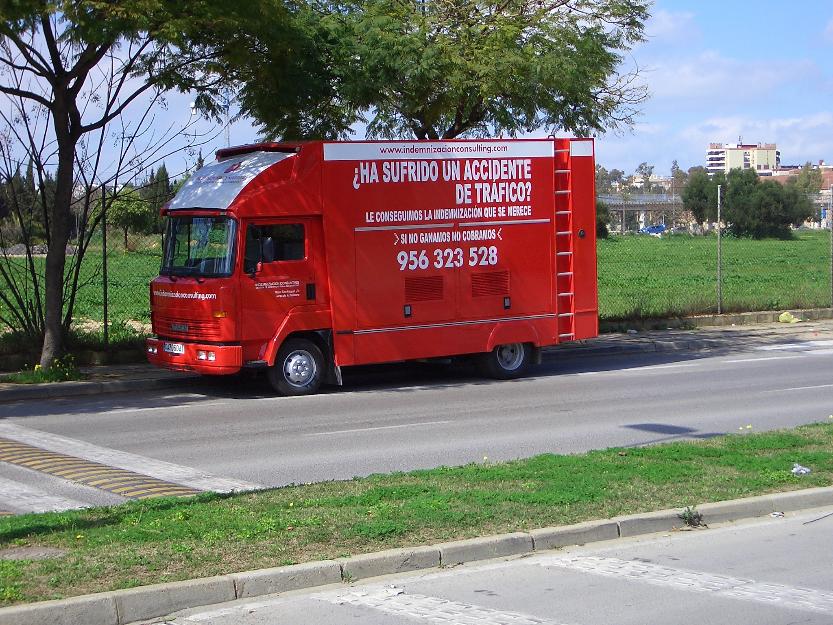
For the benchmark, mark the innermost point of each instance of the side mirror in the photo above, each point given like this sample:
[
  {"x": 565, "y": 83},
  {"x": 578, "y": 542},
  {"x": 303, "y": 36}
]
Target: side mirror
[{"x": 254, "y": 269}]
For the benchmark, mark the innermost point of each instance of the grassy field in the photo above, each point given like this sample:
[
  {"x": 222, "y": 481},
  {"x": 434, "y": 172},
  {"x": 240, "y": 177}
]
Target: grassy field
[
  {"x": 644, "y": 276},
  {"x": 639, "y": 276},
  {"x": 172, "y": 539}
]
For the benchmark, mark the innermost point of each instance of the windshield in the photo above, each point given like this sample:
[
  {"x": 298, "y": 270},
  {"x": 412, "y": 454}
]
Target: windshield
[{"x": 199, "y": 246}]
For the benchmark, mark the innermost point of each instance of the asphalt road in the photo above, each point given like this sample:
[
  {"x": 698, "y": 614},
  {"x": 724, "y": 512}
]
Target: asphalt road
[
  {"x": 235, "y": 434},
  {"x": 771, "y": 571}
]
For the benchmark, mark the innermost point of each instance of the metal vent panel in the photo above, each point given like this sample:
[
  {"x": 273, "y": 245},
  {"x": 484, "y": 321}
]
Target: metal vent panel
[
  {"x": 424, "y": 289},
  {"x": 490, "y": 283}
]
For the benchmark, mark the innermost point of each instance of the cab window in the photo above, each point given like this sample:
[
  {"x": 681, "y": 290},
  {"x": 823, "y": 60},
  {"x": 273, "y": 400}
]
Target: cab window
[{"x": 270, "y": 243}]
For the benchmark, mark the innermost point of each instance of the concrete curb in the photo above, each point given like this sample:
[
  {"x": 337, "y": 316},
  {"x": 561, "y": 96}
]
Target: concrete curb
[
  {"x": 25, "y": 392},
  {"x": 122, "y": 607},
  {"x": 286, "y": 578},
  {"x": 391, "y": 561},
  {"x": 486, "y": 548}
]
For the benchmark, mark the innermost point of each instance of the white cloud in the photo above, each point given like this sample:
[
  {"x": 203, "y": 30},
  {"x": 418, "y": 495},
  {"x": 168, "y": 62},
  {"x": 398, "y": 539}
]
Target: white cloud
[
  {"x": 671, "y": 27},
  {"x": 800, "y": 139},
  {"x": 710, "y": 76}
]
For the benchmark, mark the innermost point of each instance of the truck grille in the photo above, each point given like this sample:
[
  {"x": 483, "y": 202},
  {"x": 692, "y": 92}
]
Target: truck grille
[{"x": 200, "y": 329}]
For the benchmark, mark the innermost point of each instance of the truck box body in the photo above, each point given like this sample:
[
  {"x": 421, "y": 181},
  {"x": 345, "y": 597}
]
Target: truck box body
[{"x": 387, "y": 250}]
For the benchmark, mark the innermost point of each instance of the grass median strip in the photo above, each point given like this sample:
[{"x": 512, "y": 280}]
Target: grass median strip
[{"x": 172, "y": 539}]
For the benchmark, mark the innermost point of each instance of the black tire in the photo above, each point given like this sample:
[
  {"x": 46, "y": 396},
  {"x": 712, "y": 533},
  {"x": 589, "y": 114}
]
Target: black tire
[
  {"x": 506, "y": 362},
  {"x": 298, "y": 368}
]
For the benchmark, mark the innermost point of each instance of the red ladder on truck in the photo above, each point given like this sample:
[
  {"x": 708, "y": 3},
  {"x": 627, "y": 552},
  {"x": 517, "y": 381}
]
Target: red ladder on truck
[{"x": 564, "y": 274}]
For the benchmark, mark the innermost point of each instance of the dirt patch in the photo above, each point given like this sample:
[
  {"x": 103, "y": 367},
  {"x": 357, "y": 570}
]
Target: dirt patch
[{"x": 31, "y": 553}]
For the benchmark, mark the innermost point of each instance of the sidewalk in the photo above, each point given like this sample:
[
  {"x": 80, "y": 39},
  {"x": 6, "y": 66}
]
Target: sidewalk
[{"x": 143, "y": 377}]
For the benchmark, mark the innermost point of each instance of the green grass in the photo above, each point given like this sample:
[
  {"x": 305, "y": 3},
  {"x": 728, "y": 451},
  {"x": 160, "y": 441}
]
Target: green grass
[
  {"x": 172, "y": 539},
  {"x": 129, "y": 275},
  {"x": 643, "y": 276},
  {"x": 62, "y": 370}
]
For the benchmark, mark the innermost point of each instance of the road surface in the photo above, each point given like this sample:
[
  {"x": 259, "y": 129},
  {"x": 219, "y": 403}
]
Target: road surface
[{"x": 235, "y": 435}]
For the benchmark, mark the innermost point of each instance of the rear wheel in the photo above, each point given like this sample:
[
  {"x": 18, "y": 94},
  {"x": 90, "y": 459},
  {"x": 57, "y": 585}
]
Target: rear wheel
[
  {"x": 506, "y": 362},
  {"x": 298, "y": 368}
]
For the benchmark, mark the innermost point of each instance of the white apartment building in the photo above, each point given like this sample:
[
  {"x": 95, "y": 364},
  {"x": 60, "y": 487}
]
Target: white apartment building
[{"x": 761, "y": 157}]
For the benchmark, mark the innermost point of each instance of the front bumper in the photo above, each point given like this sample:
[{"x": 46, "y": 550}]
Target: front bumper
[{"x": 196, "y": 357}]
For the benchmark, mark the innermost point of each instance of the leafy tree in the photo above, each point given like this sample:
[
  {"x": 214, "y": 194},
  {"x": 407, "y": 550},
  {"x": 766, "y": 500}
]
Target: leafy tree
[
  {"x": 602, "y": 180},
  {"x": 645, "y": 171},
  {"x": 602, "y": 219},
  {"x": 69, "y": 70},
  {"x": 617, "y": 176},
  {"x": 750, "y": 207},
  {"x": 155, "y": 190},
  {"x": 739, "y": 201},
  {"x": 700, "y": 195},
  {"x": 809, "y": 180},
  {"x": 130, "y": 212},
  {"x": 766, "y": 209},
  {"x": 438, "y": 70},
  {"x": 679, "y": 178}
]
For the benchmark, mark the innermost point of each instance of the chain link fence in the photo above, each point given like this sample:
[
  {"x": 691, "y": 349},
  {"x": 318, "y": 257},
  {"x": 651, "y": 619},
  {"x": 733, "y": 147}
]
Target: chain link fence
[
  {"x": 644, "y": 271},
  {"x": 658, "y": 262},
  {"x": 132, "y": 262}
]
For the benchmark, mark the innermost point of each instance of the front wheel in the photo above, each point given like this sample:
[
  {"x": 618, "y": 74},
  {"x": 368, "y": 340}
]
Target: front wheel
[
  {"x": 298, "y": 368},
  {"x": 506, "y": 362}
]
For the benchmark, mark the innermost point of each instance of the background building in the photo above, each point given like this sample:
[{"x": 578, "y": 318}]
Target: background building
[{"x": 762, "y": 157}]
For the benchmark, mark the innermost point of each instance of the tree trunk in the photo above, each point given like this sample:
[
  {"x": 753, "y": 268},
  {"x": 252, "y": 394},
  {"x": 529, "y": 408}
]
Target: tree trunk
[{"x": 58, "y": 237}]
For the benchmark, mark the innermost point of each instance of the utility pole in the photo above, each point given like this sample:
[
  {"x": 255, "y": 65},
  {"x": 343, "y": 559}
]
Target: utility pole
[
  {"x": 104, "y": 262},
  {"x": 719, "y": 258}
]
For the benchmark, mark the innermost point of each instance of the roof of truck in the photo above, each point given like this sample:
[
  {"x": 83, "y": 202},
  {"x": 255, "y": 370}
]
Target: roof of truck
[{"x": 216, "y": 185}]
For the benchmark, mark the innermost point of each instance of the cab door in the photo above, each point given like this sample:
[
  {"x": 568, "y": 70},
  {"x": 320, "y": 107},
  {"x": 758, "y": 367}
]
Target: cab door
[{"x": 278, "y": 275}]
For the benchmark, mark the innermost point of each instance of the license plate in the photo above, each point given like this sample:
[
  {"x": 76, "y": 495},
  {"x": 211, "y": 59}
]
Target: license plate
[{"x": 174, "y": 348}]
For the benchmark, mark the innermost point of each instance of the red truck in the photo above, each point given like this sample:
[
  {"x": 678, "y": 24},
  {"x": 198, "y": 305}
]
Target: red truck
[{"x": 303, "y": 258}]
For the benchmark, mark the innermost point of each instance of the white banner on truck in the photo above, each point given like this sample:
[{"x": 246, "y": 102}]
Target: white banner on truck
[{"x": 434, "y": 150}]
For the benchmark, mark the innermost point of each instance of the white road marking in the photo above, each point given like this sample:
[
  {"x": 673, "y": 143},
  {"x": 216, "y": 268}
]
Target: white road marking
[
  {"x": 29, "y": 499},
  {"x": 643, "y": 369},
  {"x": 778, "y": 595},
  {"x": 167, "y": 471},
  {"x": 379, "y": 427},
  {"x": 236, "y": 610},
  {"x": 798, "y": 388},
  {"x": 395, "y": 601},
  {"x": 762, "y": 359},
  {"x": 804, "y": 345}
]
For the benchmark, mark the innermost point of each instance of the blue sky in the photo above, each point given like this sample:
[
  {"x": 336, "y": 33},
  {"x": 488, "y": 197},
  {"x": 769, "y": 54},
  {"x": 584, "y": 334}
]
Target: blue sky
[{"x": 717, "y": 70}]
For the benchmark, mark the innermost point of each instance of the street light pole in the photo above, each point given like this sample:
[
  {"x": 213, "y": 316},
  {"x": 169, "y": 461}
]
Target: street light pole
[{"x": 830, "y": 224}]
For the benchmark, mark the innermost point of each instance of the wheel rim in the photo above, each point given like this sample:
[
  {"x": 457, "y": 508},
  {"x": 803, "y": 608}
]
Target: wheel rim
[
  {"x": 510, "y": 357},
  {"x": 299, "y": 368}
]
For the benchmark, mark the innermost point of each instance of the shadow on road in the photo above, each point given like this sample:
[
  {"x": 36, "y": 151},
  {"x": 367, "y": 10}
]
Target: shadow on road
[{"x": 404, "y": 378}]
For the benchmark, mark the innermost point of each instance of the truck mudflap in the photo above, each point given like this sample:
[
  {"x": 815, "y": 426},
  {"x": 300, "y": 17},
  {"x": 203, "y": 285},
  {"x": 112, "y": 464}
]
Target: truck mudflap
[{"x": 202, "y": 358}]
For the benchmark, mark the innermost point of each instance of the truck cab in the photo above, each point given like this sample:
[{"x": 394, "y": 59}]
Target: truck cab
[{"x": 242, "y": 269}]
